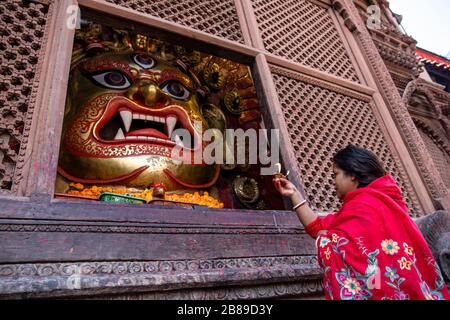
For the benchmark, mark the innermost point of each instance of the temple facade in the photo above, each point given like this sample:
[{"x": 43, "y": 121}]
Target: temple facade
[{"x": 93, "y": 94}]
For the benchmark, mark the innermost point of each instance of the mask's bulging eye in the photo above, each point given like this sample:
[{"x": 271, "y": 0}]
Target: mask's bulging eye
[
  {"x": 144, "y": 61},
  {"x": 112, "y": 80},
  {"x": 176, "y": 90}
]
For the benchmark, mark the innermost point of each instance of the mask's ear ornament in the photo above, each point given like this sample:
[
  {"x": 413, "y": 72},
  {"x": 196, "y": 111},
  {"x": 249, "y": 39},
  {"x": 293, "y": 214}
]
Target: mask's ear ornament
[
  {"x": 213, "y": 75},
  {"x": 214, "y": 117}
]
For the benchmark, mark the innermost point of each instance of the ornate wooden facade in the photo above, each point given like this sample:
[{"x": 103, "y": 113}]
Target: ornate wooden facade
[{"x": 324, "y": 80}]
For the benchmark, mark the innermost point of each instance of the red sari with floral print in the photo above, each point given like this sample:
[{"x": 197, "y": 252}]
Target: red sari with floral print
[{"x": 373, "y": 250}]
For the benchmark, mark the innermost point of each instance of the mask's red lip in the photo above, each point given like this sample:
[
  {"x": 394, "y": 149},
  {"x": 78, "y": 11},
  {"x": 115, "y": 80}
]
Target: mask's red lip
[
  {"x": 195, "y": 186},
  {"x": 119, "y": 179},
  {"x": 133, "y": 111}
]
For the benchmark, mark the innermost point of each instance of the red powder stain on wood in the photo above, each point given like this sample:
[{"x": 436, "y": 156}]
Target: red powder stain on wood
[
  {"x": 43, "y": 241},
  {"x": 192, "y": 243}
]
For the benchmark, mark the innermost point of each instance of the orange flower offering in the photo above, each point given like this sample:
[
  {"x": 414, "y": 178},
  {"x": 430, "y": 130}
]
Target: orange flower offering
[
  {"x": 195, "y": 198},
  {"x": 94, "y": 191},
  {"x": 203, "y": 199}
]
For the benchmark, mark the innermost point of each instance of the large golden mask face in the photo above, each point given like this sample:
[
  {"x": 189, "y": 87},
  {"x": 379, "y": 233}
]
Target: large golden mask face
[{"x": 119, "y": 120}]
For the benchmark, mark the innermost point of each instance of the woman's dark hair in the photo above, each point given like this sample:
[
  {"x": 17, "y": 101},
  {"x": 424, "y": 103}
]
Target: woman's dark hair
[{"x": 359, "y": 163}]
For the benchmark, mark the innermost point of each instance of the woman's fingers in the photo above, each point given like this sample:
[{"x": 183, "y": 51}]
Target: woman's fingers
[
  {"x": 283, "y": 186},
  {"x": 278, "y": 186},
  {"x": 277, "y": 183},
  {"x": 285, "y": 183}
]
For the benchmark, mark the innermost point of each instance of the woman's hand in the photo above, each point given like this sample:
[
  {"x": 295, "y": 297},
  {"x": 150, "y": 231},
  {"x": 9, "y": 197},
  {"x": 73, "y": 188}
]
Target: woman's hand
[{"x": 285, "y": 187}]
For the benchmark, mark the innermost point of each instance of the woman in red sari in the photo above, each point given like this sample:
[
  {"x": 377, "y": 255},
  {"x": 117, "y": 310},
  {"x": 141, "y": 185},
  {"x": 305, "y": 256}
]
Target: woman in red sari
[{"x": 370, "y": 248}]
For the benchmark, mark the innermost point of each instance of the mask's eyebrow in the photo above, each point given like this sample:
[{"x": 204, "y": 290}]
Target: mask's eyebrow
[
  {"x": 100, "y": 64},
  {"x": 167, "y": 75}
]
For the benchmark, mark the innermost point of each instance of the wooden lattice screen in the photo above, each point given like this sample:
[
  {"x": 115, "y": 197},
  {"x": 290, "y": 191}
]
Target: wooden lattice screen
[
  {"x": 21, "y": 31},
  {"x": 317, "y": 119},
  {"x": 303, "y": 32},
  {"x": 217, "y": 17}
]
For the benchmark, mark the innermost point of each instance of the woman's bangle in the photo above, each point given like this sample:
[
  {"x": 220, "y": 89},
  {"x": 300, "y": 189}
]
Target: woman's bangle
[{"x": 299, "y": 205}]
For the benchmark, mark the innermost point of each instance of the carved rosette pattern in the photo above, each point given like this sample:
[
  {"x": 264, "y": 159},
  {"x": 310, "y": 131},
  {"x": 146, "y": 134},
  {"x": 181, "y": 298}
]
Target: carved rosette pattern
[
  {"x": 80, "y": 278},
  {"x": 304, "y": 32},
  {"x": 217, "y": 17},
  {"x": 22, "y": 32},
  {"x": 304, "y": 289},
  {"x": 317, "y": 118},
  {"x": 400, "y": 112}
]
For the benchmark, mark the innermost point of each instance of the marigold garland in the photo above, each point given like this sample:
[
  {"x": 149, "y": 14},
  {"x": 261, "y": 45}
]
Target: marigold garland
[
  {"x": 201, "y": 199},
  {"x": 195, "y": 198}
]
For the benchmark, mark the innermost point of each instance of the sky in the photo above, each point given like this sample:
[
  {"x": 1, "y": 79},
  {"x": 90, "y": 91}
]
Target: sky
[{"x": 427, "y": 21}]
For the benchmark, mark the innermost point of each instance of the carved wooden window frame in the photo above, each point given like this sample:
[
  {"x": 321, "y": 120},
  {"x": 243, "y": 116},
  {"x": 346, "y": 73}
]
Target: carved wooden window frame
[{"x": 53, "y": 86}]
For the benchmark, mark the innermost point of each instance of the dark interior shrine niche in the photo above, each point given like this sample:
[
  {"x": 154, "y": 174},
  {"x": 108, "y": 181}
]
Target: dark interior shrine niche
[{"x": 131, "y": 88}]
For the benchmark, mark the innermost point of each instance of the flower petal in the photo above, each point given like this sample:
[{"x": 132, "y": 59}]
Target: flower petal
[{"x": 341, "y": 277}]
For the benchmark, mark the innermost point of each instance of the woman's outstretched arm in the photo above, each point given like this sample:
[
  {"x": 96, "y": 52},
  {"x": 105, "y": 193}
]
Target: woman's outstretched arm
[{"x": 304, "y": 212}]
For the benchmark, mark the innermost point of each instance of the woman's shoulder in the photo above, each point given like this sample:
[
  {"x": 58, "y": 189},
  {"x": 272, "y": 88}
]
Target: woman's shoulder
[
  {"x": 364, "y": 208},
  {"x": 363, "y": 201}
]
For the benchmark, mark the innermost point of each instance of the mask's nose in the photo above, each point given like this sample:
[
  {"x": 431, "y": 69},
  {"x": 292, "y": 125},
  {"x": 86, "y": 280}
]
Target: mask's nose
[{"x": 146, "y": 90}]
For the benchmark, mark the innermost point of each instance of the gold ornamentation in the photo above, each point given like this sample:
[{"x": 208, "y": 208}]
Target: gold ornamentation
[
  {"x": 232, "y": 102},
  {"x": 212, "y": 76},
  {"x": 214, "y": 117},
  {"x": 261, "y": 205},
  {"x": 246, "y": 190},
  {"x": 189, "y": 56},
  {"x": 89, "y": 34}
]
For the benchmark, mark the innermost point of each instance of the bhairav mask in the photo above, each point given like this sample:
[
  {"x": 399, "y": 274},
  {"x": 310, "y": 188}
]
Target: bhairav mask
[
  {"x": 128, "y": 97},
  {"x": 123, "y": 107}
]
